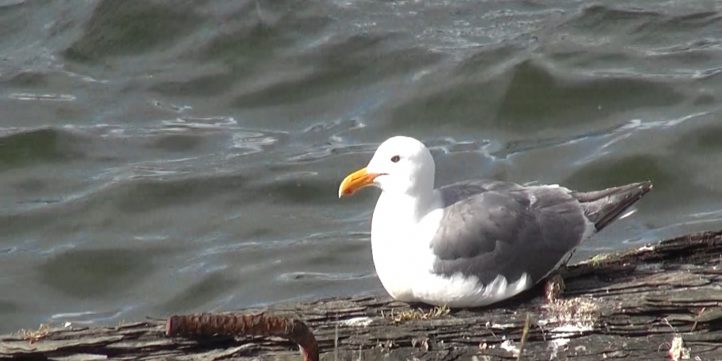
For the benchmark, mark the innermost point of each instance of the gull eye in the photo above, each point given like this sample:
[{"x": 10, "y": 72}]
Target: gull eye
[{"x": 395, "y": 158}]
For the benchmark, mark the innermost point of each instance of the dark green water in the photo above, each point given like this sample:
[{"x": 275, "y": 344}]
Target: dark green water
[{"x": 160, "y": 157}]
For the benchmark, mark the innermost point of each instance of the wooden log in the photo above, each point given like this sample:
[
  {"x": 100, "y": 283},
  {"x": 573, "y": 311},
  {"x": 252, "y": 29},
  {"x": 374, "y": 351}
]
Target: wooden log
[{"x": 661, "y": 301}]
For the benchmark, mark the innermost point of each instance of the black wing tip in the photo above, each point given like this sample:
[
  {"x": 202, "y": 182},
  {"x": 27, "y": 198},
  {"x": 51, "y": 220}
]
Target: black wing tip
[
  {"x": 646, "y": 186},
  {"x": 603, "y": 207},
  {"x": 642, "y": 188},
  {"x": 639, "y": 189}
]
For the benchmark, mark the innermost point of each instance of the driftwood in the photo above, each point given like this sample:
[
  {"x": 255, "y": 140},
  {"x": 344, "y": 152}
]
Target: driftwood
[{"x": 656, "y": 302}]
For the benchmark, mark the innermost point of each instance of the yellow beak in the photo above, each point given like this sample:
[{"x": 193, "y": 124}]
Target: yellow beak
[{"x": 355, "y": 181}]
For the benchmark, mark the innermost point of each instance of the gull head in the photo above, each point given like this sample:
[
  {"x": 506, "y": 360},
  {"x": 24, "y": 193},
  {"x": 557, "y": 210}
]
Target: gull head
[{"x": 401, "y": 165}]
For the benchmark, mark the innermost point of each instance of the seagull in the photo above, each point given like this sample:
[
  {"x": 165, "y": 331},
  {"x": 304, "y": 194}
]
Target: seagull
[{"x": 475, "y": 242}]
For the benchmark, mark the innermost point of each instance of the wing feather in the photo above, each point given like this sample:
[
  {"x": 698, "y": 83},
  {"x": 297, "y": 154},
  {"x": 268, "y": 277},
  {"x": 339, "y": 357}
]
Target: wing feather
[{"x": 492, "y": 228}]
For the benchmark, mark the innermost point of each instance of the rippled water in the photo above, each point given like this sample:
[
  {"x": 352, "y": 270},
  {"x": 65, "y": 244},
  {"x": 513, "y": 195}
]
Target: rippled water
[{"x": 160, "y": 156}]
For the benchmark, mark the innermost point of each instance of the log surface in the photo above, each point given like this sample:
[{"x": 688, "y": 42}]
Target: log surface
[{"x": 661, "y": 301}]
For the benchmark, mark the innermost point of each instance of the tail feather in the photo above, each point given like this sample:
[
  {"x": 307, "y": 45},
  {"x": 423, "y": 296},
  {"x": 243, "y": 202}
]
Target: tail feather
[{"x": 604, "y": 206}]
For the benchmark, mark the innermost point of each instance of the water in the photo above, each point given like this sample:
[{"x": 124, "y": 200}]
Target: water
[{"x": 161, "y": 157}]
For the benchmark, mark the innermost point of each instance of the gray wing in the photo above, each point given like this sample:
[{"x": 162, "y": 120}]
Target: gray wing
[{"x": 493, "y": 228}]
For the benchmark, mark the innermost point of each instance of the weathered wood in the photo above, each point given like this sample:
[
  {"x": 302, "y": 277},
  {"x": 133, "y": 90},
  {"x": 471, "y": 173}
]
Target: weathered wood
[{"x": 633, "y": 305}]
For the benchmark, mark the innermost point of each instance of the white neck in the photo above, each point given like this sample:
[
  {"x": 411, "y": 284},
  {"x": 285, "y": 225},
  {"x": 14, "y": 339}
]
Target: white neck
[
  {"x": 401, "y": 208},
  {"x": 395, "y": 221}
]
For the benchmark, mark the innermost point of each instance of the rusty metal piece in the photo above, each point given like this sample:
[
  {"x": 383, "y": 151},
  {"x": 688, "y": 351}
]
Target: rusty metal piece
[{"x": 208, "y": 324}]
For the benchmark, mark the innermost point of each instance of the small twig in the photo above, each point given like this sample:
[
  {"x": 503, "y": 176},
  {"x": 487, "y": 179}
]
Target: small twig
[
  {"x": 696, "y": 319},
  {"x": 206, "y": 324},
  {"x": 666, "y": 322},
  {"x": 544, "y": 337},
  {"x": 417, "y": 314},
  {"x": 35, "y": 336},
  {"x": 524, "y": 336},
  {"x": 335, "y": 340}
]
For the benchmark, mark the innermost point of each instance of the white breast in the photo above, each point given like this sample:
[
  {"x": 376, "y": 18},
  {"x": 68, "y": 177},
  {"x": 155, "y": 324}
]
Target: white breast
[{"x": 400, "y": 236}]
